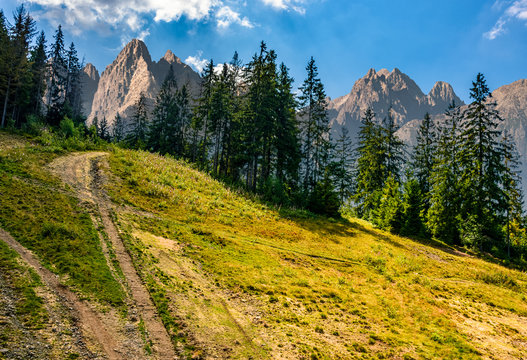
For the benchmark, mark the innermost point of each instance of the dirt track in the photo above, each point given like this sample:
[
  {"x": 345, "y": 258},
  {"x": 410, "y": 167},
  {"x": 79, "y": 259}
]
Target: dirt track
[
  {"x": 86, "y": 317},
  {"x": 81, "y": 171}
]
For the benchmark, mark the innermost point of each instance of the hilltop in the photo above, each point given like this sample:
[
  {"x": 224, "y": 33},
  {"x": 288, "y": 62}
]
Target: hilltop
[{"x": 229, "y": 276}]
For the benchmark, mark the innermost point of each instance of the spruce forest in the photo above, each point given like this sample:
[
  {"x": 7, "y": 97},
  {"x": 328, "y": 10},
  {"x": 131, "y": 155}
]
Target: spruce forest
[{"x": 265, "y": 141}]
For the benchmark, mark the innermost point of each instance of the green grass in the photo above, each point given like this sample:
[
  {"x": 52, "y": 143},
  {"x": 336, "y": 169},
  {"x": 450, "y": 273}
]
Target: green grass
[
  {"x": 22, "y": 280},
  {"x": 336, "y": 276},
  {"x": 51, "y": 223}
]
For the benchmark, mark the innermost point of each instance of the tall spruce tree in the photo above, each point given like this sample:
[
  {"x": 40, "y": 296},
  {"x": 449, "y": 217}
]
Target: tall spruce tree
[
  {"x": 370, "y": 168},
  {"x": 394, "y": 146},
  {"x": 314, "y": 125},
  {"x": 18, "y": 74},
  {"x": 137, "y": 136},
  {"x": 118, "y": 129},
  {"x": 286, "y": 140},
  {"x": 443, "y": 216},
  {"x": 39, "y": 70},
  {"x": 480, "y": 159},
  {"x": 342, "y": 166},
  {"x": 164, "y": 126},
  {"x": 57, "y": 79},
  {"x": 423, "y": 157}
]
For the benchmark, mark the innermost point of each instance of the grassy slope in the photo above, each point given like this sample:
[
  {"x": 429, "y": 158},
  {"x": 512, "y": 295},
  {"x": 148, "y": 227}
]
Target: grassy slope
[
  {"x": 236, "y": 277},
  {"x": 51, "y": 222}
]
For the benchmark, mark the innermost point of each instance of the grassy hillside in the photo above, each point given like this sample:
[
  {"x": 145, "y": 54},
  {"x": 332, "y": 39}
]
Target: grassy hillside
[
  {"x": 235, "y": 277},
  {"x": 232, "y": 277}
]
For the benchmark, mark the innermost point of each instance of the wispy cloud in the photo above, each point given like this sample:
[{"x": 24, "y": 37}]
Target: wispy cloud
[
  {"x": 134, "y": 16},
  {"x": 295, "y": 5},
  {"x": 197, "y": 62},
  {"x": 516, "y": 10},
  {"x": 225, "y": 17}
]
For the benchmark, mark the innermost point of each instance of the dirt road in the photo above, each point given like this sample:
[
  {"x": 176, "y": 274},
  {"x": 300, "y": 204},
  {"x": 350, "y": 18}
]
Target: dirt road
[{"x": 81, "y": 171}]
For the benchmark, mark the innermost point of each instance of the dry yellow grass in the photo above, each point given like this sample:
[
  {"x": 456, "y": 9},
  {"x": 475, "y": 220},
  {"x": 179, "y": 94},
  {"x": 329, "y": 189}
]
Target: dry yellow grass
[{"x": 244, "y": 280}]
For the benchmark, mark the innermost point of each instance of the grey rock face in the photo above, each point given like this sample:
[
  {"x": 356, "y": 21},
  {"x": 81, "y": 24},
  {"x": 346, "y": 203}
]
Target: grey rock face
[
  {"x": 89, "y": 80},
  {"x": 133, "y": 72},
  {"x": 382, "y": 89}
]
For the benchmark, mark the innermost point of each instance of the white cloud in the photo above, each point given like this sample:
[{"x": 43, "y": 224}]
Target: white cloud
[
  {"x": 133, "y": 16},
  {"x": 225, "y": 17},
  {"x": 197, "y": 62},
  {"x": 295, "y": 5},
  {"x": 515, "y": 11}
]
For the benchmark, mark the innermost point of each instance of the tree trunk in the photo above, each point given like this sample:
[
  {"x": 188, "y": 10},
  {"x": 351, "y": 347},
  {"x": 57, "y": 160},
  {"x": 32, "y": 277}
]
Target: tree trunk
[{"x": 6, "y": 101}]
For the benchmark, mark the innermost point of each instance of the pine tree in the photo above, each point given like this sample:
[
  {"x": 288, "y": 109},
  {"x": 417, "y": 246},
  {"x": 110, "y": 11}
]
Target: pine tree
[
  {"x": 394, "y": 148},
  {"x": 480, "y": 159},
  {"x": 38, "y": 69},
  {"x": 511, "y": 181},
  {"x": 423, "y": 156},
  {"x": 287, "y": 143},
  {"x": 342, "y": 166},
  {"x": 314, "y": 124},
  {"x": 443, "y": 216},
  {"x": 164, "y": 122},
  {"x": 412, "y": 209},
  {"x": 371, "y": 163},
  {"x": 201, "y": 118},
  {"x": 72, "y": 86},
  {"x": 388, "y": 215},
  {"x": 57, "y": 79},
  {"x": 137, "y": 137},
  {"x": 16, "y": 58},
  {"x": 118, "y": 129},
  {"x": 103, "y": 129}
]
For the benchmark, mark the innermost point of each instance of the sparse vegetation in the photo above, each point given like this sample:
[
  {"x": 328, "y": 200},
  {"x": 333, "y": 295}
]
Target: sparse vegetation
[{"x": 342, "y": 280}]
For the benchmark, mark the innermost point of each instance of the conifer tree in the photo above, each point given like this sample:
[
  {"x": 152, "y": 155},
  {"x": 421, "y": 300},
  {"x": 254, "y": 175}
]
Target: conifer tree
[
  {"x": 423, "y": 157},
  {"x": 287, "y": 144},
  {"x": 480, "y": 159},
  {"x": 342, "y": 166},
  {"x": 72, "y": 87},
  {"x": 443, "y": 216},
  {"x": 371, "y": 163},
  {"x": 39, "y": 70},
  {"x": 164, "y": 123},
  {"x": 314, "y": 124},
  {"x": 137, "y": 137},
  {"x": 201, "y": 118},
  {"x": 57, "y": 79},
  {"x": 394, "y": 148},
  {"x": 103, "y": 129},
  {"x": 388, "y": 215},
  {"x": 412, "y": 209},
  {"x": 118, "y": 129},
  {"x": 16, "y": 60}
]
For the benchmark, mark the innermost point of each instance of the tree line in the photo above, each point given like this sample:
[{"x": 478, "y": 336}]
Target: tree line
[
  {"x": 460, "y": 184},
  {"x": 37, "y": 84}
]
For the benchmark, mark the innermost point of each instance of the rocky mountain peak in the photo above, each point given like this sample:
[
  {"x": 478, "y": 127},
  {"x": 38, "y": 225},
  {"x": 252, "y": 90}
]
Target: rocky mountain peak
[
  {"x": 91, "y": 71},
  {"x": 170, "y": 58},
  {"x": 133, "y": 51},
  {"x": 382, "y": 90},
  {"x": 133, "y": 72}
]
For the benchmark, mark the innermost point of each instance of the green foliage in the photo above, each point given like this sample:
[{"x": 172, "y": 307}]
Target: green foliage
[
  {"x": 23, "y": 281},
  {"x": 324, "y": 199},
  {"x": 52, "y": 224},
  {"x": 412, "y": 217},
  {"x": 389, "y": 214}
]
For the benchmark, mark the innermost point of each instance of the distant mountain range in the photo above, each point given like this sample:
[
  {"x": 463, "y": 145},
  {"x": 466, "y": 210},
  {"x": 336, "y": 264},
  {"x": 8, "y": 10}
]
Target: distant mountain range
[{"x": 133, "y": 72}]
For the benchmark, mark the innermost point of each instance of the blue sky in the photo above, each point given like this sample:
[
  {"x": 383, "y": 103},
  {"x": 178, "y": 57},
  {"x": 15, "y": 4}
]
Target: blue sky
[{"x": 447, "y": 40}]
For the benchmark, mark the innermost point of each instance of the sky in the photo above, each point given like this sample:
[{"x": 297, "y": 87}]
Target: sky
[{"x": 448, "y": 40}]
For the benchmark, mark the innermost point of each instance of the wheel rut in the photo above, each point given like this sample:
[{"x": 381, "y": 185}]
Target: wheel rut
[
  {"x": 82, "y": 172},
  {"x": 86, "y": 317}
]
